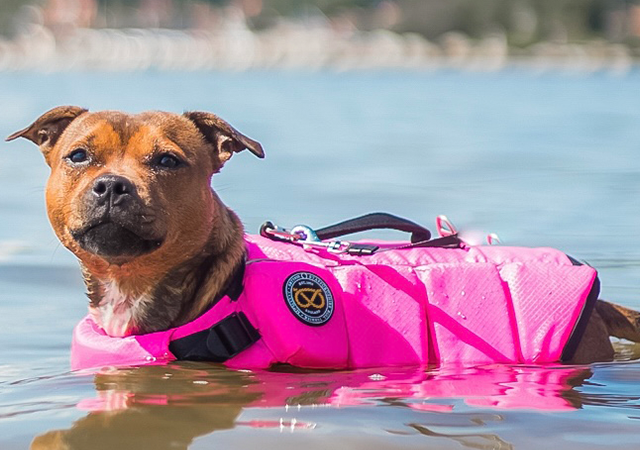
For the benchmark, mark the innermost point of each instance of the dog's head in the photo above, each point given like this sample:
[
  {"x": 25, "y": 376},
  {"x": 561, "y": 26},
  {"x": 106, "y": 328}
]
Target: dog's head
[{"x": 126, "y": 188}]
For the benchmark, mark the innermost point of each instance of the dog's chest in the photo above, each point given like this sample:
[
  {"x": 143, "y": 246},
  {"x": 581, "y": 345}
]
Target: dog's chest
[{"x": 118, "y": 312}]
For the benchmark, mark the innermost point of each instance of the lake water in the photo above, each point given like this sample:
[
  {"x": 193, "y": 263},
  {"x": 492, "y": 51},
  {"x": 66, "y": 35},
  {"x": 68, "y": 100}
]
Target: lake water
[{"x": 542, "y": 160}]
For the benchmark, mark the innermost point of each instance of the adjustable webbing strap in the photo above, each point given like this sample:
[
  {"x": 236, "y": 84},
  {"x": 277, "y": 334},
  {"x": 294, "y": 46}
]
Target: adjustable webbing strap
[
  {"x": 222, "y": 341},
  {"x": 363, "y": 249}
]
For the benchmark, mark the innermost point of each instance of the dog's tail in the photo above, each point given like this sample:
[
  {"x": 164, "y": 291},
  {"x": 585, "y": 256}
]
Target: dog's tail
[{"x": 621, "y": 322}]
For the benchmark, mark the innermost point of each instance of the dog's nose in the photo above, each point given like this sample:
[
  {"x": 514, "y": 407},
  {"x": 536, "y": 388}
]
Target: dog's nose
[{"x": 113, "y": 189}]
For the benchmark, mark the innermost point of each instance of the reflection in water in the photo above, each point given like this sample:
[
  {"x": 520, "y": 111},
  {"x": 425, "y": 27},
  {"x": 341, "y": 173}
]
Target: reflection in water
[
  {"x": 167, "y": 407},
  {"x": 154, "y": 408}
]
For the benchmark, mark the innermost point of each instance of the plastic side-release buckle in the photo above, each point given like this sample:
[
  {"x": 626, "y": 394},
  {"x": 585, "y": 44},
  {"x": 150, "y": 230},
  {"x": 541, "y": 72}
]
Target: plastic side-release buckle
[
  {"x": 230, "y": 336},
  {"x": 222, "y": 341}
]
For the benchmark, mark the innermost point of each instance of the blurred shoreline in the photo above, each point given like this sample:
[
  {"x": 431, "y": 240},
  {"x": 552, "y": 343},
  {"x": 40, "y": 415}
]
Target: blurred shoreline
[
  {"x": 308, "y": 44},
  {"x": 292, "y": 46}
]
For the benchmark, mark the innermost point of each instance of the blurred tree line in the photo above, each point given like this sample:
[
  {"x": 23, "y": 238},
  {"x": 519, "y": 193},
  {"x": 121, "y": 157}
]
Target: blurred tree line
[
  {"x": 8, "y": 10},
  {"x": 522, "y": 21}
]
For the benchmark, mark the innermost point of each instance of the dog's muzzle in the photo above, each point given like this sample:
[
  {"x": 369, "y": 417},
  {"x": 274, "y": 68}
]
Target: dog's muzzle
[{"x": 116, "y": 225}]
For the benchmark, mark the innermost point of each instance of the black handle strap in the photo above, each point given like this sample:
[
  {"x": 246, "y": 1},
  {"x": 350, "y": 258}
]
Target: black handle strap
[{"x": 375, "y": 221}]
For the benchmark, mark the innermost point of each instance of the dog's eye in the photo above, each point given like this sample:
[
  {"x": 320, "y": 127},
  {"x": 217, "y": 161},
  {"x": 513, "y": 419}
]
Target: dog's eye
[
  {"x": 168, "y": 161},
  {"x": 78, "y": 156}
]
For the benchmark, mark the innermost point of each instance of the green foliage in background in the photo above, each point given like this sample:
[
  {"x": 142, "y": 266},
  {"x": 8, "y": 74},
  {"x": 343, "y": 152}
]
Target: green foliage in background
[{"x": 523, "y": 21}]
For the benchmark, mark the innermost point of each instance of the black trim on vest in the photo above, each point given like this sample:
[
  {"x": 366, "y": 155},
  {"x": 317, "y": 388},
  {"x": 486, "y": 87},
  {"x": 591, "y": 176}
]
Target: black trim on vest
[
  {"x": 222, "y": 341},
  {"x": 574, "y": 261},
  {"x": 235, "y": 285},
  {"x": 581, "y": 325}
]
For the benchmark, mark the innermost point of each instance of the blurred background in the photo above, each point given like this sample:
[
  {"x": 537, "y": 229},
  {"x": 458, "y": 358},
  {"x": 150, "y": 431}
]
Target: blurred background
[{"x": 341, "y": 34}]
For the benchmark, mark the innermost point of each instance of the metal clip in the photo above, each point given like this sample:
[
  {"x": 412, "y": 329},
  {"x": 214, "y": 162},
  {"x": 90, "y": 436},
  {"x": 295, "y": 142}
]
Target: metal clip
[
  {"x": 302, "y": 235},
  {"x": 271, "y": 231},
  {"x": 338, "y": 246},
  {"x": 305, "y": 233},
  {"x": 307, "y": 237}
]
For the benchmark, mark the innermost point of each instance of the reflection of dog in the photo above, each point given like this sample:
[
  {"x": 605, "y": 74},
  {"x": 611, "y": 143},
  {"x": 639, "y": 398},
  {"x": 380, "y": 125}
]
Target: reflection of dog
[
  {"x": 166, "y": 401},
  {"x": 130, "y": 196},
  {"x": 172, "y": 413}
]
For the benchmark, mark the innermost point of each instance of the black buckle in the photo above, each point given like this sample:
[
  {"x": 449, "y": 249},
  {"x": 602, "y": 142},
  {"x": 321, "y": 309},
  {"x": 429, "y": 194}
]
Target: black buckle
[
  {"x": 231, "y": 335},
  {"x": 222, "y": 341}
]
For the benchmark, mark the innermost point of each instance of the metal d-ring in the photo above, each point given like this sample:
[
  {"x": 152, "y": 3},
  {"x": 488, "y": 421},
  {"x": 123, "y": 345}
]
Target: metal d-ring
[{"x": 445, "y": 227}]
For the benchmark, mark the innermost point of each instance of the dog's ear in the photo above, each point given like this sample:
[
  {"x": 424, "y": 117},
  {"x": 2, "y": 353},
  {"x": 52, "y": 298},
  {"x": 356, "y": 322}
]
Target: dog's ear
[
  {"x": 47, "y": 128},
  {"x": 223, "y": 136}
]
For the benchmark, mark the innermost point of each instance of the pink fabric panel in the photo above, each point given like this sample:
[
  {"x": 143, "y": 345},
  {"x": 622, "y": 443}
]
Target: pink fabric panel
[
  {"x": 544, "y": 301},
  {"x": 262, "y": 248},
  {"x": 288, "y": 339},
  {"x": 214, "y": 315},
  {"x": 470, "y": 314},
  {"x": 504, "y": 255},
  {"x": 410, "y": 256},
  {"x": 92, "y": 348},
  {"x": 258, "y": 356},
  {"x": 386, "y": 317}
]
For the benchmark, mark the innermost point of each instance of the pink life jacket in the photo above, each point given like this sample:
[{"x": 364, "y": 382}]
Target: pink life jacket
[{"x": 413, "y": 306}]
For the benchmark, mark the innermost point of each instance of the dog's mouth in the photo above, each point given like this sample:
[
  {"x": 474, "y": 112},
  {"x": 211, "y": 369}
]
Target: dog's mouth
[{"x": 114, "y": 242}]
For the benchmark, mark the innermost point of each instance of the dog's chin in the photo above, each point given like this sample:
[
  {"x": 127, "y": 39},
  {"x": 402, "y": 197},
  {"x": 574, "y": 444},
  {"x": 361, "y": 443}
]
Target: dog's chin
[{"x": 114, "y": 243}]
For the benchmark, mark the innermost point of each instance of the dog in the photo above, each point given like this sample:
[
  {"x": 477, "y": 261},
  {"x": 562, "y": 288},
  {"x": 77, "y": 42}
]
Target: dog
[{"x": 130, "y": 196}]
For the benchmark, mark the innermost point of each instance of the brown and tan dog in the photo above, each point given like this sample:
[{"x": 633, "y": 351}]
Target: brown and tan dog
[{"x": 131, "y": 197}]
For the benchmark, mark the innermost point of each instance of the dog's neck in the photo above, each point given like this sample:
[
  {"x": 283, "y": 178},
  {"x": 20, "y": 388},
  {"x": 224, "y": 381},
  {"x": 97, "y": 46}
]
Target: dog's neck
[{"x": 132, "y": 305}]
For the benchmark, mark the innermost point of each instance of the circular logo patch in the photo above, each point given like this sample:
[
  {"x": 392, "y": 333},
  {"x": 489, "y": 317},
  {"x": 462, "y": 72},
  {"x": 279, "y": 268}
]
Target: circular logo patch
[{"x": 309, "y": 298}]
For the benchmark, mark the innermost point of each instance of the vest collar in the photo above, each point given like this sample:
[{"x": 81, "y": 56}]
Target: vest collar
[{"x": 226, "y": 338}]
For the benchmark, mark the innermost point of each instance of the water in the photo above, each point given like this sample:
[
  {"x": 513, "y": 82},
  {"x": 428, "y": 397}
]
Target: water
[{"x": 547, "y": 160}]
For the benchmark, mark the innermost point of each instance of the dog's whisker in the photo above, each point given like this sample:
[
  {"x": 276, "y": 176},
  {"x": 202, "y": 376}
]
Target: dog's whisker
[{"x": 55, "y": 250}]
